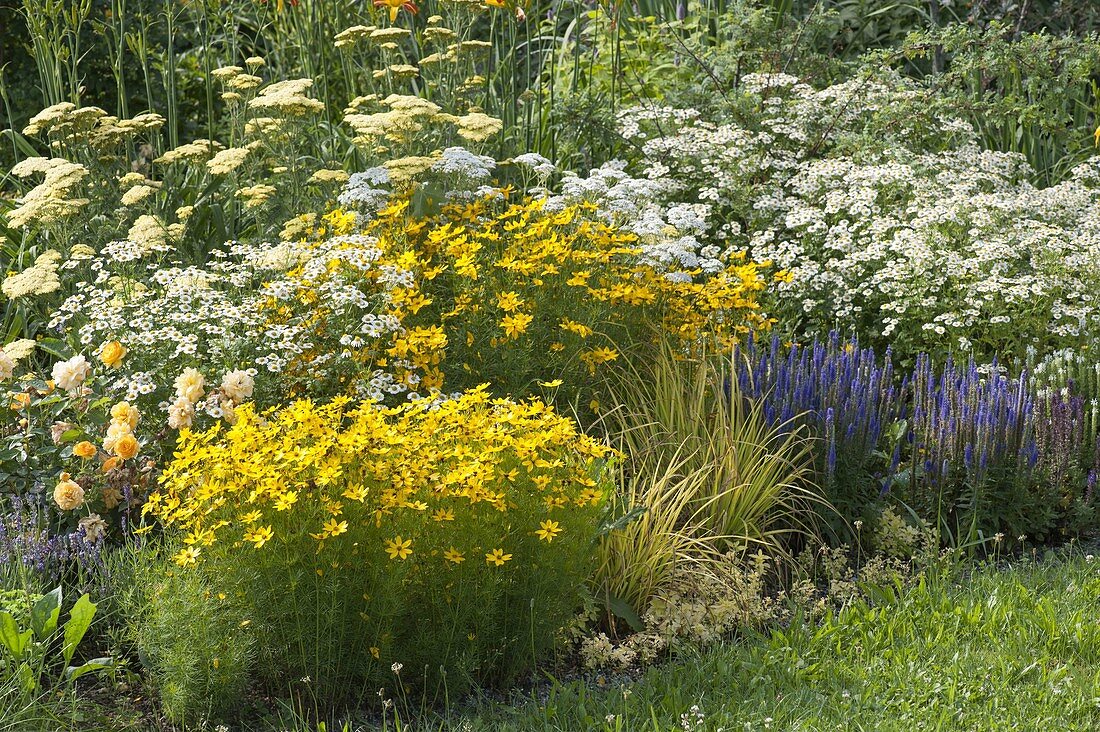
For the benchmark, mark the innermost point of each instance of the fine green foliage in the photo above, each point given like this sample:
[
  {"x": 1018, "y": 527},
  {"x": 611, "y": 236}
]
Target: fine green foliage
[
  {"x": 1033, "y": 94},
  {"x": 193, "y": 639}
]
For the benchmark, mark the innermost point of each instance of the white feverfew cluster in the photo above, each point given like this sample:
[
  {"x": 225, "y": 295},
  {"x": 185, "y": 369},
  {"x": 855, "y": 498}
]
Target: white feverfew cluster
[
  {"x": 366, "y": 190},
  {"x": 672, "y": 236},
  {"x": 888, "y": 215},
  {"x": 345, "y": 276},
  {"x": 540, "y": 165},
  {"x": 945, "y": 251},
  {"x": 727, "y": 163},
  {"x": 175, "y": 317},
  {"x": 465, "y": 174},
  {"x": 460, "y": 162}
]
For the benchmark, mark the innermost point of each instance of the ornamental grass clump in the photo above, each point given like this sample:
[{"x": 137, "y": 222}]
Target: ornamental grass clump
[
  {"x": 706, "y": 481},
  {"x": 451, "y": 538}
]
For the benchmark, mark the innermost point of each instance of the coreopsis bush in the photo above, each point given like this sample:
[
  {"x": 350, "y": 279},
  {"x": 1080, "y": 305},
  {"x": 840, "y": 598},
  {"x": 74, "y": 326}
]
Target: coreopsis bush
[
  {"x": 517, "y": 293},
  {"x": 450, "y": 537}
]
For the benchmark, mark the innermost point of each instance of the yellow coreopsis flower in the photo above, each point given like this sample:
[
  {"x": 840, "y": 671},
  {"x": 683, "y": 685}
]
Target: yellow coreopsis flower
[
  {"x": 453, "y": 555},
  {"x": 514, "y": 325},
  {"x": 548, "y": 530},
  {"x": 286, "y": 500},
  {"x": 497, "y": 557},
  {"x": 597, "y": 356},
  {"x": 259, "y": 536},
  {"x": 509, "y": 301},
  {"x": 187, "y": 555},
  {"x": 356, "y": 492},
  {"x": 330, "y": 528},
  {"x": 398, "y": 548}
]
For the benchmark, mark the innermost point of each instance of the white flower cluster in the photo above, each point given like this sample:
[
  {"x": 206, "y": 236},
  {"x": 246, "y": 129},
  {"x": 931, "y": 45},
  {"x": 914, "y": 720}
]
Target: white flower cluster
[
  {"x": 253, "y": 308},
  {"x": 889, "y": 218},
  {"x": 944, "y": 251},
  {"x": 669, "y": 234},
  {"x": 331, "y": 273},
  {"x": 724, "y": 163},
  {"x": 366, "y": 190}
]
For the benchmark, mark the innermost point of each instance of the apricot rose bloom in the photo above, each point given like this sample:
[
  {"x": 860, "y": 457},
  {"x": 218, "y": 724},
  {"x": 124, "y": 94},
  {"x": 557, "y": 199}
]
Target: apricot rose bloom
[
  {"x": 123, "y": 412},
  {"x": 238, "y": 386},
  {"x": 68, "y": 494},
  {"x": 126, "y": 446},
  {"x": 112, "y": 354},
  {"x": 84, "y": 449},
  {"x": 189, "y": 385},
  {"x": 115, "y": 432}
]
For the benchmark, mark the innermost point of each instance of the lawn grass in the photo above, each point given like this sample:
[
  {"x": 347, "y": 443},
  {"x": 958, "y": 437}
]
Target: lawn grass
[{"x": 996, "y": 649}]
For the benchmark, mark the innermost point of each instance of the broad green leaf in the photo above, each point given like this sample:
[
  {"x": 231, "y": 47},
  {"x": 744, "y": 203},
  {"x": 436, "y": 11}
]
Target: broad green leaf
[
  {"x": 72, "y": 673},
  {"x": 45, "y": 613},
  {"x": 11, "y": 638},
  {"x": 80, "y": 619},
  {"x": 622, "y": 609},
  {"x": 27, "y": 679},
  {"x": 70, "y": 435},
  {"x": 54, "y": 347}
]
